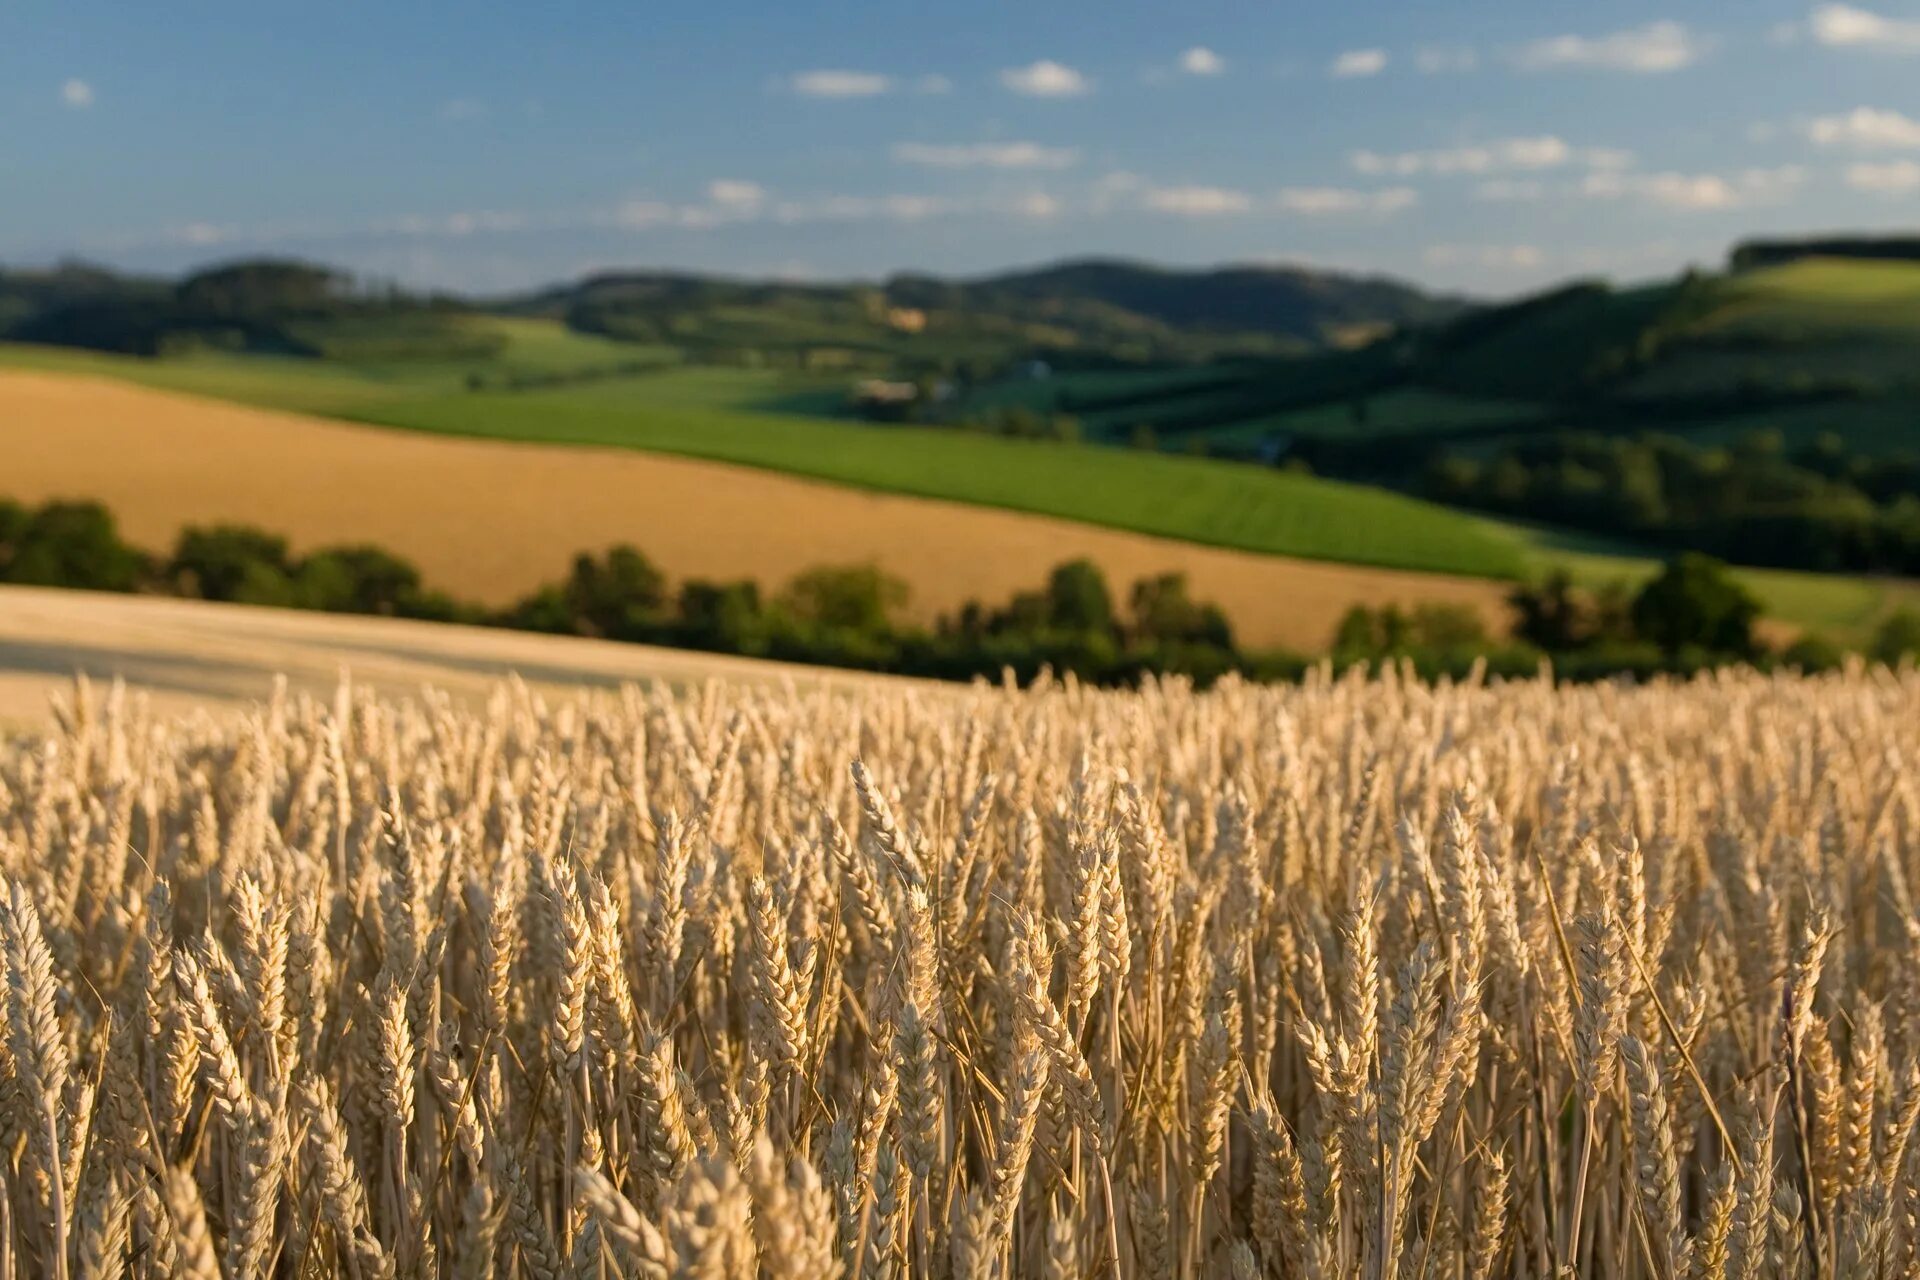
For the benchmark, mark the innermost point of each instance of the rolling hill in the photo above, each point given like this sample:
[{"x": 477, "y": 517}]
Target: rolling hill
[
  {"x": 1803, "y": 343},
  {"x": 493, "y": 519},
  {"x": 1098, "y": 311},
  {"x": 1819, "y": 346}
]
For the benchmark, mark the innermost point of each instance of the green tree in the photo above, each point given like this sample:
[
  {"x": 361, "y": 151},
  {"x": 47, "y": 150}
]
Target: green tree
[
  {"x": 857, "y": 598},
  {"x": 1813, "y": 653},
  {"x": 621, "y": 596},
  {"x": 68, "y": 544},
  {"x": 358, "y": 579},
  {"x": 232, "y": 562},
  {"x": 1695, "y": 603},
  {"x": 1164, "y": 612},
  {"x": 1549, "y": 614},
  {"x": 726, "y": 617},
  {"x": 1355, "y": 636},
  {"x": 1078, "y": 598},
  {"x": 1897, "y": 637}
]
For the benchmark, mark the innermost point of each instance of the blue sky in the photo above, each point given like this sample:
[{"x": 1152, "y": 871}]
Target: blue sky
[{"x": 1489, "y": 145}]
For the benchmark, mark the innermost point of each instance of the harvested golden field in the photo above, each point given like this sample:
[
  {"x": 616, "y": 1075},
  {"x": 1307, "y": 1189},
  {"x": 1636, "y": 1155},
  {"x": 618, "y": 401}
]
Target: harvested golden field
[
  {"x": 188, "y": 655},
  {"x": 491, "y": 520},
  {"x": 1344, "y": 979}
]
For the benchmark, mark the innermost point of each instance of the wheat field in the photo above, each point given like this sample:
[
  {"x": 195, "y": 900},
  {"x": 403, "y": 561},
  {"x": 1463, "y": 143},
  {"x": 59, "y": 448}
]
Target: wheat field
[
  {"x": 1348, "y": 979},
  {"x": 493, "y": 520}
]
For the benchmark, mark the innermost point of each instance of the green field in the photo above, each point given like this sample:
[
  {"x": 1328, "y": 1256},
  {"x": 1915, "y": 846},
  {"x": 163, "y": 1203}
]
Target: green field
[
  {"x": 733, "y": 415},
  {"x": 1218, "y": 503},
  {"x": 765, "y": 419},
  {"x": 1403, "y": 411},
  {"x": 374, "y": 365},
  {"x": 1844, "y": 608},
  {"x": 1810, "y": 346},
  {"x": 1067, "y": 391},
  {"x": 1816, "y": 297}
]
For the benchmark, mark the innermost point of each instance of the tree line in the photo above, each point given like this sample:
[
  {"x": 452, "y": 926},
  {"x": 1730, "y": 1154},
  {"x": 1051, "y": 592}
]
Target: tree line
[
  {"x": 1692, "y": 615},
  {"x": 1819, "y": 507}
]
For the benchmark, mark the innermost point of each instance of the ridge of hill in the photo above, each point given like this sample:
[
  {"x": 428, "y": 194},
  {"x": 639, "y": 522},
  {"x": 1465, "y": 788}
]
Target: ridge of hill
[{"x": 1091, "y": 309}]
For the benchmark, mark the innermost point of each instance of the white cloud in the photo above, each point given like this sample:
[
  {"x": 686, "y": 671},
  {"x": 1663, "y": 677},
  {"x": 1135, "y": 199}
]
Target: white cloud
[
  {"x": 1114, "y": 190},
  {"x": 1505, "y": 154},
  {"x": 1202, "y": 61},
  {"x": 1437, "y": 60},
  {"x": 1196, "y": 202},
  {"x": 841, "y": 84},
  {"x": 736, "y": 193},
  {"x": 1046, "y": 79},
  {"x": 985, "y": 155},
  {"x": 1491, "y": 257},
  {"x": 1325, "y": 201},
  {"x": 1510, "y": 190},
  {"x": 933, "y": 84},
  {"x": 1036, "y": 204},
  {"x": 1656, "y": 47},
  {"x": 893, "y": 208},
  {"x": 77, "y": 94},
  {"x": 455, "y": 110},
  {"x": 1130, "y": 191},
  {"x": 465, "y": 223},
  {"x": 1355, "y": 63},
  {"x": 1697, "y": 192},
  {"x": 1896, "y": 177},
  {"x": 1843, "y": 26},
  {"x": 1866, "y": 129}
]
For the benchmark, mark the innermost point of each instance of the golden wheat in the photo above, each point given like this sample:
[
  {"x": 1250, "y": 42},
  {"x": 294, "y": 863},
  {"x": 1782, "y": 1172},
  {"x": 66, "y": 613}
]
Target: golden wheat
[{"x": 1350, "y": 979}]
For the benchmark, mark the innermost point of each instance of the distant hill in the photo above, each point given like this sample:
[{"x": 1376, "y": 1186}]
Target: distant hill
[
  {"x": 262, "y": 305},
  {"x": 1093, "y": 308},
  {"x": 1285, "y": 301},
  {"x": 1794, "y": 340},
  {"x": 1769, "y": 253},
  {"x": 1093, "y": 311}
]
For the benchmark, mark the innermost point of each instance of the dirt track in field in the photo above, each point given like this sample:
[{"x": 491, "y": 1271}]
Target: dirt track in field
[{"x": 491, "y": 520}]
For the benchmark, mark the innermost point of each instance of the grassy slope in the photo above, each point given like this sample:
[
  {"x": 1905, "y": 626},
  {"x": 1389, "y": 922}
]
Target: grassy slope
[
  {"x": 1843, "y": 607},
  {"x": 1819, "y": 296},
  {"x": 1813, "y": 323},
  {"x": 1209, "y": 502},
  {"x": 717, "y": 414},
  {"x": 746, "y": 417},
  {"x": 1402, "y": 411}
]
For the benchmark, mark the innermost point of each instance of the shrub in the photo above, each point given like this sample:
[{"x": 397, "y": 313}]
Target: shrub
[
  {"x": 68, "y": 544},
  {"x": 233, "y": 563},
  {"x": 360, "y": 579},
  {"x": 619, "y": 596},
  {"x": 1694, "y": 603},
  {"x": 1898, "y": 637},
  {"x": 858, "y": 599},
  {"x": 1813, "y": 653},
  {"x": 1164, "y": 612}
]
